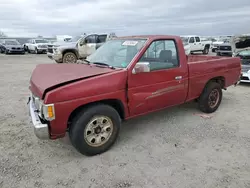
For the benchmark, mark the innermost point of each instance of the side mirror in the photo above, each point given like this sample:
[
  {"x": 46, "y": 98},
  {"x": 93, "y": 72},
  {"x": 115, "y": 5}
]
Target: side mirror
[{"x": 141, "y": 67}]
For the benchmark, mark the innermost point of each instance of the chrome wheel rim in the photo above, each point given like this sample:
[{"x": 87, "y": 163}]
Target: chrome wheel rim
[
  {"x": 70, "y": 58},
  {"x": 98, "y": 131},
  {"x": 213, "y": 98}
]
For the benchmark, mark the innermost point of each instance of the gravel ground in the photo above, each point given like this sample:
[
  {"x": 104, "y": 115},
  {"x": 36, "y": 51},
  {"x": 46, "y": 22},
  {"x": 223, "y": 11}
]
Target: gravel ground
[{"x": 174, "y": 148}]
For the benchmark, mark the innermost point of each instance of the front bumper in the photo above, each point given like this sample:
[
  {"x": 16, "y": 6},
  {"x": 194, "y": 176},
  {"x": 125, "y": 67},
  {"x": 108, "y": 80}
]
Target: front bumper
[
  {"x": 245, "y": 77},
  {"x": 224, "y": 53},
  {"x": 12, "y": 51},
  {"x": 42, "y": 49},
  {"x": 41, "y": 130},
  {"x": 56, "y": 57}
]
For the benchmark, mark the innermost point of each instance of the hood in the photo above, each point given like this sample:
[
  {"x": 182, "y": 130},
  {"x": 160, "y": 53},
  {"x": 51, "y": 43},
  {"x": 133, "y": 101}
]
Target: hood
[
  {"x": 42, "y": 44},
  {"x": 50, "y": 76},
  {"x": 66, "y": 44},
  {"x": 14, "y": 46},
  {"x": 218, "y": 42},
  {"x": 241, "y": 43}
]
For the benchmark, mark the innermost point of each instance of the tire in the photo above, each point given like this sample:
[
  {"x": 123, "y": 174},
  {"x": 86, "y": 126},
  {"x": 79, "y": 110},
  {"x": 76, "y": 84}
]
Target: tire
[
  {"x": 69, "y": 57},
  {"x": 28, "y": 49},
  {"x": 213, "y": 50},
  {"x": 36, "y": 51},
  {"x": 206, "y": 50},
  {"x": 80, "y": 125},
  {"x": 218, "y": 54},
  {"x": 6, "y": 52},
  {"x": 206, "y": 97},
  {"x": 58, "y": 61}
]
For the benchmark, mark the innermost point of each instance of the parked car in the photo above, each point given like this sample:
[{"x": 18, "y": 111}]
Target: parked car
[
  {"x": 224, "y": 49},
  {"x": 36, "y": 46},
  {"x": 10, "y": 46},
  {"x": 122, "y": 79},
  {"x": 1, "y": 47},
  {"x": 78, "y": 48},
  {"x": 216, "y": 43},
  {"x": 196, "y": 45},
  {"x": 241, "y": 48}
]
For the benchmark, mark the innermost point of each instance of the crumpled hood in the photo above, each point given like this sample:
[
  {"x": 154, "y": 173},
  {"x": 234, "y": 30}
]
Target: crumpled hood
[{"x": 48, "y": 76}]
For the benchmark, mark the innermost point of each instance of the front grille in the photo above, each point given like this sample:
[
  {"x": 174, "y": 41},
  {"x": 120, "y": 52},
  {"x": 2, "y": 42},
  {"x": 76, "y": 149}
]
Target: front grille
[
  {"x": 50, "y": 50},
  {"x": 13, "y": 48},
  {"x": 245, "y": 69},
  {"x": 50, "y": 46},
  {"x": 244, "y": 78},
  {"x": 226, "y": 48},
  {"x": 18, "y": 48}
]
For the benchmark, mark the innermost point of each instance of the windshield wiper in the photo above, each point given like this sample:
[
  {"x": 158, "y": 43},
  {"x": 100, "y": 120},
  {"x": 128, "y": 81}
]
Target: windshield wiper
[
  {"x": 88, "y": 62},
  {"x": 105, "y": 64}
]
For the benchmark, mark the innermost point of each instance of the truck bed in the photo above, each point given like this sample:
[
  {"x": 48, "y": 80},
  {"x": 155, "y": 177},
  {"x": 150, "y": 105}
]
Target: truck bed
[{"x": 203, "y": 68}]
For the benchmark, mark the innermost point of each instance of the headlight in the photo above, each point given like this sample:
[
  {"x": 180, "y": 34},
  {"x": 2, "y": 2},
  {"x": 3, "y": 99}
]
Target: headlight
[{"x": 48, "y": 111}]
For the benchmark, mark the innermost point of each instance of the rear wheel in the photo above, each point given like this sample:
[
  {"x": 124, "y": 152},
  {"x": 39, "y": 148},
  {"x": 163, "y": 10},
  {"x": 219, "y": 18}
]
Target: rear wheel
[
  {"x": 69, "y": 57},
  {"x": 95, "y": 129},
  {"x": 206, "y": 50},
  {"x": 210, "y": 99}
]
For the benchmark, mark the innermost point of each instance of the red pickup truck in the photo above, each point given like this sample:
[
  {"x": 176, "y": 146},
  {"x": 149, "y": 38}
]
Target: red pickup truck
[{"x": 126, "y": 77}]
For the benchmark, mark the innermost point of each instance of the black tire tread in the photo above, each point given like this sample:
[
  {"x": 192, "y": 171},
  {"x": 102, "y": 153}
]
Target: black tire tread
[
  {"x": 203, "y": 99},
  {"x": 79, "y": 122}
]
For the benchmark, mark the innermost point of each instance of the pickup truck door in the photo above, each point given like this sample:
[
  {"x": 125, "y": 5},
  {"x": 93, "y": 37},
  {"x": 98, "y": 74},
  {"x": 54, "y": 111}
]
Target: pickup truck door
[
  {"x": 88, "y": 46},
  {"x": 166, "y": 83},
  {"x": 192, "y": 44},
  {"x": 198, "y": 43}
]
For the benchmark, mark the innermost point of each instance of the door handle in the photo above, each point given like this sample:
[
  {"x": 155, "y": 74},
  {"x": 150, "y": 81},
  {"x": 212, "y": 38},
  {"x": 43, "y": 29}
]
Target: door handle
[{"x": 178, "y": 77}]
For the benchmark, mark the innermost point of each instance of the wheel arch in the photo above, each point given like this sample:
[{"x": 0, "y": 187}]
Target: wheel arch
[
  {"x": 115, "y": 103},
  {"x": 70, "y": 50}
]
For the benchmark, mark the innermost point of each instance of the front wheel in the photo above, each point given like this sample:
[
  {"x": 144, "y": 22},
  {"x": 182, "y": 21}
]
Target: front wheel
[
  {"x": 210, "y": 99},
  {"x": 69, "y": 57},
  {"x": 95, "y": 129}
]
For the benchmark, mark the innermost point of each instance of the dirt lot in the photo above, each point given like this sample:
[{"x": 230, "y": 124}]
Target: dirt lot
[{"x": 174, "y": 148}]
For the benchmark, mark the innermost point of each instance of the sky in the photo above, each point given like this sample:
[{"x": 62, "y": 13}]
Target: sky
[{"x": 29, "y": 18}]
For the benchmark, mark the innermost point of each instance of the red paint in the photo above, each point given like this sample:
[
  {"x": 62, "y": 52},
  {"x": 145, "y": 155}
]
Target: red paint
[{"x": 139, "y": 93}]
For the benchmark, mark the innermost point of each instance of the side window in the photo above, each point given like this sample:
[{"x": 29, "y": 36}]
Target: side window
[
  {"x": 191, "y": 40},
  {"x": 101, "y": 38},
  {"x": 197, "y": 39},
  {"x": 90, "y": 39},
  {"x": 161, "y": 54}
]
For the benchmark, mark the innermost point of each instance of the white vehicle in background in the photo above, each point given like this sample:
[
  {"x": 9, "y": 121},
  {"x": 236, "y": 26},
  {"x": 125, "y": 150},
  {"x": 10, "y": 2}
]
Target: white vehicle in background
[
  {"x": 196, "y": 44},
  {"x": 241, "y": 48},
  {"x": 78, "y": 47},
  {"x": 36, "y": 46}
]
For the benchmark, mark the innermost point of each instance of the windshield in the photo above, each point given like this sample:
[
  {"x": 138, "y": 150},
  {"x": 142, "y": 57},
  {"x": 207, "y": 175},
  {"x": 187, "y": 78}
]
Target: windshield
[
  {"x": 41, "y": 41},
  {"x": 184, "y": 39},
  {"x": 11, "y": 42},
  {"x": 75, "y": 39},
  {"x": 118, "y": 52}
]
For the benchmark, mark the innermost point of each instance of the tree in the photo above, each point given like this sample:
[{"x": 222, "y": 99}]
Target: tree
[{"x": 2, "y": 34}]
